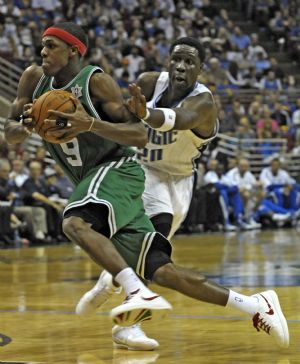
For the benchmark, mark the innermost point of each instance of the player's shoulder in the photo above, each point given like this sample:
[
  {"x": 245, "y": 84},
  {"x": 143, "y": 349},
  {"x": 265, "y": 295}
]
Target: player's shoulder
[
  {"x": 101, "y": 81},
  {"x": 29, "y": 80},
  {"x": 147, "y": 81},
  {"x": 147, "y": 77},
  {"x": 33, "y": 72}
]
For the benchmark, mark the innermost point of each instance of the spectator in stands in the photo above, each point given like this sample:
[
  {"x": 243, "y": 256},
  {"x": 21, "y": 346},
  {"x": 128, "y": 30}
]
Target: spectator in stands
[
  {"x": 215, "y": 75},
  {"x": 221, "y": 43},
  {"x": 255, "y": 111},
  {"x": 249, "y": 189},
  {"x": 261, "y": 10},
  {"x": 274, "y": 176},
  {"x": 19, "y": 173},
  {"x": 10, "y": 220},
  {"x": 34, "y": 217},
  {"x": 63, "y": 183},
  {"x": 35, "y": 193},
  {"x": 272, "y": 211},
  {"x": 266, "y": 127},
  {"x": 277, "y": 26},
  {"x": 209, "y": 9},
  {"x": 197, "y": 214},
  {"x": 134, "y": 60},
  {"x": 227, "y": 123},
  {"x": 296, "y": 113},
  {"x": 212, "y": 185},
  {"x": 8, "y": 49},
  {"x": 230, "y": 197},
  {"x": 280, "y": 186},
  {"x": 291, "y": 84},
  {"x": 279, "y": 73},
  {"x": 262, "y": 64},
  {"x": 252, "y": 77},
  {"x": 235, "y": 76},
  {"x": 255, "y": 49},
  {"x": 244, "y": 130},
  {"x": 270, "y": 82},
  {"x": 40, "y": 156},
  {"x": 281, "y": 114},
  {"x": 54, "y": 195},
  {"x": 8, "y": 8},
  {"x": 239, "y": 40}
]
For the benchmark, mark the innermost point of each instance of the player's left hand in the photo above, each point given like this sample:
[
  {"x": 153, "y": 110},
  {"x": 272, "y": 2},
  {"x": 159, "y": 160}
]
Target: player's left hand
[
  {"x": 137, "y": 103},
  {"x": 77, "y": 122}
]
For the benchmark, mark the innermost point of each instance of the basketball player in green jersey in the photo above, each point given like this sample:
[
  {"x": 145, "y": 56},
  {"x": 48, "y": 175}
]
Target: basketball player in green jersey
[
  {"x": 105, "y": 215},
  {"x": 106, "y": 203}
]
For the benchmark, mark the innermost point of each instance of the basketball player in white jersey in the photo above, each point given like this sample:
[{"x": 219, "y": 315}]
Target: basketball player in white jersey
[{"x": 181, "y": 117}]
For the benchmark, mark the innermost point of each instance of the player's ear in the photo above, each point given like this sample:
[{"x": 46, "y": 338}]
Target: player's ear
[{"x": 74, "y": 50}]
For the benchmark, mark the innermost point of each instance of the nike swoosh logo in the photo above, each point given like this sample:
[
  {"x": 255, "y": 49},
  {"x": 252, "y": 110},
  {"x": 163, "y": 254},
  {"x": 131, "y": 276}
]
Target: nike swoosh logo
[
  {"x": 270, "y": 312},
  {"x": 149, "y": 298}
]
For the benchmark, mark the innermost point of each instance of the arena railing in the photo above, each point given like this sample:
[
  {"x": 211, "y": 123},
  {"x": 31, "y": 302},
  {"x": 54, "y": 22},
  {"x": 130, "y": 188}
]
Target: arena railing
[
  {"x": 246, "y": 96},
  {"x": 259, "y": 152},
  {"x": 9, "y": 78}
]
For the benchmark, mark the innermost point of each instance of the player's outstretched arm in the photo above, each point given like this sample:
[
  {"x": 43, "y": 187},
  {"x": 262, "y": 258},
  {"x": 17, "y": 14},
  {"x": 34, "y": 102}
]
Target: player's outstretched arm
[
  {"x": 15, "y": 131},
  {"x": 196, "y": 113}
]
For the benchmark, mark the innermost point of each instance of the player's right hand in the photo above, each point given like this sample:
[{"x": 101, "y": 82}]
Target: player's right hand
[{"x": 137, "y": 103}]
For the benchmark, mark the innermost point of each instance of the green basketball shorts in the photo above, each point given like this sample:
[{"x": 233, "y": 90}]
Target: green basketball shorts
[{"x": 119, "y": 185}]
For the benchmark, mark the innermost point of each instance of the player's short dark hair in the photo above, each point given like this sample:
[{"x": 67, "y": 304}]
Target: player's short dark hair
[
  {"x": 75, "y": 30},
  {"x": 192, "y": 42}
]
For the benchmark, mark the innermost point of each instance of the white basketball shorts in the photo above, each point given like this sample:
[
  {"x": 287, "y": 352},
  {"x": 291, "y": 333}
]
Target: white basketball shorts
[{"x": 165, "y": 193}]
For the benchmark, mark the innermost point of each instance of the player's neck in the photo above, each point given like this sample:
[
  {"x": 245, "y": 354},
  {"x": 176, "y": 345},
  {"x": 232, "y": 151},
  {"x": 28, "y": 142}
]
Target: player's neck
[{"x": 65, "y": 75}]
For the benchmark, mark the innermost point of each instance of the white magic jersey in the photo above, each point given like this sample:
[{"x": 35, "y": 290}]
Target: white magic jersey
[{"x": 174, "y": 151}]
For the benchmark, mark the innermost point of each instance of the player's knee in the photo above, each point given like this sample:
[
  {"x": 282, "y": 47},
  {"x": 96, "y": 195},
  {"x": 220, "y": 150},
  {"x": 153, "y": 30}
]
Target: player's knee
[
  {"x": 166, "y": 275},
  {"x": 75, "y": 229}
]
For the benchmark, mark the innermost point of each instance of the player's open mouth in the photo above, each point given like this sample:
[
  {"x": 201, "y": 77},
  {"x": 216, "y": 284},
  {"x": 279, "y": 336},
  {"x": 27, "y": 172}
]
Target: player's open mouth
[{"x": 179, "y": 79}]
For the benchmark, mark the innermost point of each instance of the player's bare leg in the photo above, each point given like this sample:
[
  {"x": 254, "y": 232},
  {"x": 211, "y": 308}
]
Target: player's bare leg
[
  {"x": 264, "y": 307},
  {"x": 137, "y": 308}
]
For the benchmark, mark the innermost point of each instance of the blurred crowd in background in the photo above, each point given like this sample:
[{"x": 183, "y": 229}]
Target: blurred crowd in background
[{"x": 128, "y": 37}]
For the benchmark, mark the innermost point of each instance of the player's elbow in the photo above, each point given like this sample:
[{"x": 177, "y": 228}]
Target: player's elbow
[
  {"x": 141, "y": 136},
  {"x": 142, "y": 141}
]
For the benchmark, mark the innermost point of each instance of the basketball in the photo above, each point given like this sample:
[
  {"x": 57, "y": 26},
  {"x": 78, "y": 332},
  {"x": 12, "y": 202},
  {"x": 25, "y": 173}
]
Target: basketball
[{"x": 59, "y": 100}]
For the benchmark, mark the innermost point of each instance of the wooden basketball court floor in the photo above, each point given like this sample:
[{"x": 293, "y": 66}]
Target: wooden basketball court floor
[{"x": 39, "y": 288}]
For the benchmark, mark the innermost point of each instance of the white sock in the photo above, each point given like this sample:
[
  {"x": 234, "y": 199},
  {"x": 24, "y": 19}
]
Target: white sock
[
  {"x": 248, "y": 304},
  {"x": 130, "y": 281}
]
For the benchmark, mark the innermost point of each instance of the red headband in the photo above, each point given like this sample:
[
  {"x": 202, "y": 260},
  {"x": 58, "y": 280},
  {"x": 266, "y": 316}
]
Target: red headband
[{"x": 66, "y": 37}]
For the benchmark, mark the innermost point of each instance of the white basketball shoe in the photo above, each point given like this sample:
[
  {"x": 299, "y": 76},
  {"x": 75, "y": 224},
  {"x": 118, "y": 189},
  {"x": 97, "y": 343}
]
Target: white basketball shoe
[
  {"x": 132, "y": 338},
  {"x": 98, "y": 295},
  {"x": 270, "y": 318},
  {"x": 138, "y": 307}
]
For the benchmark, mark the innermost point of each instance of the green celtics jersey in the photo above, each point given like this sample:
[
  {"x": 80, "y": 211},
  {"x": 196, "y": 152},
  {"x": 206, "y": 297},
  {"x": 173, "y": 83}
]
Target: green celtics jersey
[{"x": 88, "y": 150}]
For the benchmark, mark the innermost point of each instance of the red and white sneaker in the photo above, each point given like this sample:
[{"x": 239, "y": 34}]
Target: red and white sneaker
[
  {"x": 270, "y": 318},
  {"x": 139, "y": 307},
  {"x": 98, "y": 295}
]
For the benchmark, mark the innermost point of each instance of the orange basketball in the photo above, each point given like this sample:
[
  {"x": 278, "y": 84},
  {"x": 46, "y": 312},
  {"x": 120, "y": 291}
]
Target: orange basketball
[{"x": 59, "y": 100}]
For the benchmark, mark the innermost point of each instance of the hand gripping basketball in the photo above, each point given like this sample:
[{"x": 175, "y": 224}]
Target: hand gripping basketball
[{"x": 59, "y": 100}]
